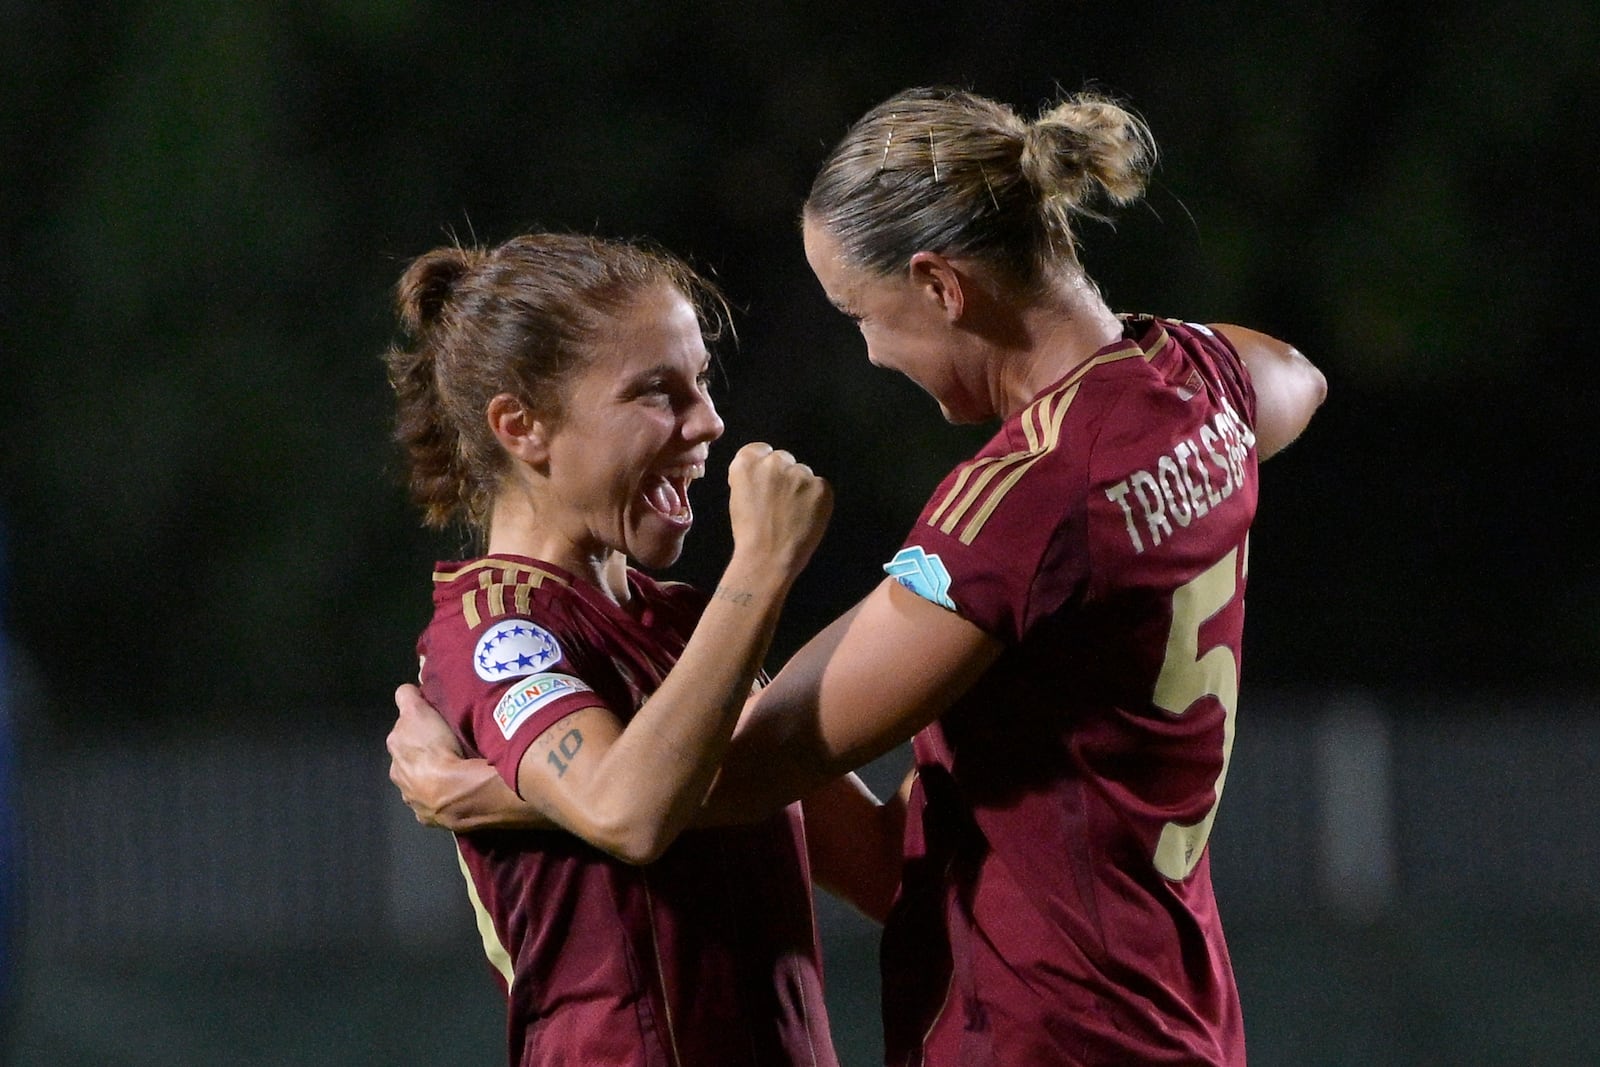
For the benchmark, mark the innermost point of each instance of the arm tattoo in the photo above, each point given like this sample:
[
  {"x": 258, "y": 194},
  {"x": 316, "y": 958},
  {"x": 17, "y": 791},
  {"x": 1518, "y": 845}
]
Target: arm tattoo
[
  {"x": 737, "y": 596},
  {"x": 568, "y": 747}
]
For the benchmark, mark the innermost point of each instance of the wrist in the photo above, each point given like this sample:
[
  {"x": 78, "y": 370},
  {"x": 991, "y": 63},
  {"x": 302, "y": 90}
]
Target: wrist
[{"x": 753, "y": 580}]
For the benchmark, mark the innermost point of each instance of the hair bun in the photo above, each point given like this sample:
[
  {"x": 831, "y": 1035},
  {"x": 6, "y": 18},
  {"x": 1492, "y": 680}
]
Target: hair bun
[
  {"x": 426, "y": 287},
  {"x": 1088, "y": 143}
]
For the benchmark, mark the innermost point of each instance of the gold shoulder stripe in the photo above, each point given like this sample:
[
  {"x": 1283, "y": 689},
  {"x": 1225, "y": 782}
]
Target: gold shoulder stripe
[
  {"x": 979, "y": 475},
  {"x": 967, "y": 470},
  {"x": 539, "y": 575},
  {"x": 1052, "y": 438},
  {"x": 497, "y": 577},
  {"x": 496, "y": 591},
  {"x": 982, "y": 472},
  {"x": 1041, "y": 428}
]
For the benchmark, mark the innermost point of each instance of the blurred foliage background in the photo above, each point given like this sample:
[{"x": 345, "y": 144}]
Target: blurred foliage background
[{"x": 206, "y": 207}]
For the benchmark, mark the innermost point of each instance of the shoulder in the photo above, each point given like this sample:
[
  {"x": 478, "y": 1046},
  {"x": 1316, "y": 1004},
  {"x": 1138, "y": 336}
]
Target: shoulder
[
  {"x": 499, "y": 619},
  {"x": 471, "y": 598},
  {"x": 1186, "y": 359},
  {"x": 678, "y": 602},
  {"x": 498, "y": 576},
  {"x": 1285, "y": 387}
]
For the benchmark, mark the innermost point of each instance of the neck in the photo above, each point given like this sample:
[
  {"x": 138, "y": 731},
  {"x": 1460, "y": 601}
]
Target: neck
[
  {"x": 1052, "y": 336},
  {"x": 515, "y": 530}
]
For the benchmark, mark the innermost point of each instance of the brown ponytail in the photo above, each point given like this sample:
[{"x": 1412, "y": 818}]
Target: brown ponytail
[{"x": 438, "y": 480}]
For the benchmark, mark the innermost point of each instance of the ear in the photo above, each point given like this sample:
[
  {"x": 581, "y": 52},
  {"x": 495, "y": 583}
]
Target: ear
[
  {"x": 937, "y": 278},
  {"x": 519, "y": 431}
]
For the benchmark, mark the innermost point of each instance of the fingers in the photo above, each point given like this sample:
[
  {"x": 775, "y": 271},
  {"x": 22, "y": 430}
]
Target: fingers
[
  {"x": 419, "y": 735},
  {"x": 758, "y": 454},
  {"x": 778, "y": 505},
  {"x": 773, "y": 476},
  {"x": 755, "y": 453}
]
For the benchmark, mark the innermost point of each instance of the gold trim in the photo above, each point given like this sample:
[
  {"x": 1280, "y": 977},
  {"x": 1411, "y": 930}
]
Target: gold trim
[
  {"x": 538, "y": 574},
  {"x": 1041, "y": 439},
  {"x": 1051, "y": 439},
  {"x": 661, "y": 971},
  {"x": 495, "y": 577},
  {"x": 499, "y": 958}
]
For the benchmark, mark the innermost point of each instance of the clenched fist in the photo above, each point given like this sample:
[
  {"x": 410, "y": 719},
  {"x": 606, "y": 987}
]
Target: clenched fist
[{"x": 778, "y": 506}]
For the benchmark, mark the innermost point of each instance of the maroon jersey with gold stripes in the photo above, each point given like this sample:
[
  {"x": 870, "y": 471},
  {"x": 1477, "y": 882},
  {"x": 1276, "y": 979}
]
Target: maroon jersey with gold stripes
[
  {"x": 1057, "y": 904},
  {"x": 707, "y": 956}
]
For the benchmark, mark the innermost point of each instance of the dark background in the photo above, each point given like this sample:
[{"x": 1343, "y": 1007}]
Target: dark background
[{"x": 206, "y": 206}]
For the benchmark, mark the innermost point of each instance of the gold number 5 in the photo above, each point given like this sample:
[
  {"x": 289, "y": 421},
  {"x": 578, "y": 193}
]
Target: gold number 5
[{"x": 1186, "y": 676}]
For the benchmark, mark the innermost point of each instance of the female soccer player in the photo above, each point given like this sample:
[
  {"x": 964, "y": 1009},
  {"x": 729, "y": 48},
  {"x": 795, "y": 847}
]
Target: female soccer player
[
  {"x": 1061, "y": 630},
  {"x": 553, "y": 395}
]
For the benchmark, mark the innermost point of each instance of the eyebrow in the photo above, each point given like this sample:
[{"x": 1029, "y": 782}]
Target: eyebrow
[{"x": 662, "y": 370}]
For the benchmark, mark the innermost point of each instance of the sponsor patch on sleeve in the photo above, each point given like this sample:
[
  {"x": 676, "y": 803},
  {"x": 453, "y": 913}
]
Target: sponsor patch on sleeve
[
  {"x": 923, "y": 573},
  {"x": 514, "y": 648},
  {"x": 531, "y": 694}
]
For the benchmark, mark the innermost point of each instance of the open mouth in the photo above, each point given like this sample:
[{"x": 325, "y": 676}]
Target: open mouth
[{"x": 667, "y": 493}]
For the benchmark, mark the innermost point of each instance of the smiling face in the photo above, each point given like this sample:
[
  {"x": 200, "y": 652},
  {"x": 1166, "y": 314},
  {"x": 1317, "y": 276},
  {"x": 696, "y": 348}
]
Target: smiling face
[
  {"x": 905, "y": 325},
  {"x": 635, "y": 428}
]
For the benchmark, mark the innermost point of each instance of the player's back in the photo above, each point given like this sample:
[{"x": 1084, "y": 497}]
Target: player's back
[{"x": 1071, "y": 791}]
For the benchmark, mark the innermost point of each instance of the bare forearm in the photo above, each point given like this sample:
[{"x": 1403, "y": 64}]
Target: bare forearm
[
  {"x": 779, "y": 754},
  {"x": 855, "y": 844},
  {"x": 654, "y": 776},
  {"x": 864, "y": 685}
]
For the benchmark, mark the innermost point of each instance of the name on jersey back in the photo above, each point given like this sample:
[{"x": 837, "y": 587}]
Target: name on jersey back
[{"x": 1179, "y": 486}]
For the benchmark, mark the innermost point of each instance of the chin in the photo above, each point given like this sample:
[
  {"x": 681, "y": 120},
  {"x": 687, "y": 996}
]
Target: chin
[
  {"x": 960, "y": 418},
  {"x": 659, "y": 556}
]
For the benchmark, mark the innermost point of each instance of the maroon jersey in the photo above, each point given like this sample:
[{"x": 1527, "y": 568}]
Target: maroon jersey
[
  {"x": 1057, "y": 904},
  {"x": 707, "y": 956}
]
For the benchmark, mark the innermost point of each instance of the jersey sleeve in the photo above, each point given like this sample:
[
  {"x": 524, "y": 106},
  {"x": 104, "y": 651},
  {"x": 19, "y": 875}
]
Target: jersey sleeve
[
  {"x": 507, "y": 682},
  {"x": 981, "y": 544},
  {"x": 1223, "y": 366}
]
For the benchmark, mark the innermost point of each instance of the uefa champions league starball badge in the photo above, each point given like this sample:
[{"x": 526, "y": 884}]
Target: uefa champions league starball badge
[{"x": 514, "y": 648}]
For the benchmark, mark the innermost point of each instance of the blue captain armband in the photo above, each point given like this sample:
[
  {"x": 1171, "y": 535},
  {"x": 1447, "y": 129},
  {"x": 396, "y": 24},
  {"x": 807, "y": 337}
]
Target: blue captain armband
[{"x": 923, "y": 574}]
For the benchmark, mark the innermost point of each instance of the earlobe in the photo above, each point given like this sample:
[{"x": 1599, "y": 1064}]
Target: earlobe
[
  {"x": 519, "y": 431},
  {"x": 938, "y": 278}
]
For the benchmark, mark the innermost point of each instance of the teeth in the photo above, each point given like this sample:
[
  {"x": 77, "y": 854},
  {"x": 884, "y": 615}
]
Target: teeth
[{"x": 670, "y": 495}]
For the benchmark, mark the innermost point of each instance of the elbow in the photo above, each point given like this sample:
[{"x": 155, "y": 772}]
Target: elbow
[
  {"x": 1283, "y": 420},
  {"x": 639, "y": 851},
  {"x": 632, "y": 839},
  {"x": 1312, "y": 387},
  {"x": 1318, "y": 388}
]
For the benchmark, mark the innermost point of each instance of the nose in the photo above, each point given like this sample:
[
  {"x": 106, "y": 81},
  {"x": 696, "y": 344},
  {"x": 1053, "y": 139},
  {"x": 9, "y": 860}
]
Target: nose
[{"x": 701, "y": 423}]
